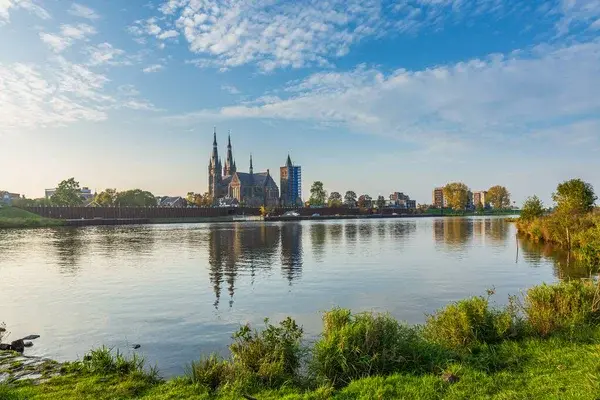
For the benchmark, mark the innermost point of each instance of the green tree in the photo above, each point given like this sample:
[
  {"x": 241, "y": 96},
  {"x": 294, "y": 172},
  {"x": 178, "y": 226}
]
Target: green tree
[
  {"x": 200, "y": 200},
  {"x": 68, "y": 193},
  {"x": 335, "y": 199},
  {"x": 106, "y": 198},
  {"x": 479, "y": 208},
  {"x": 135, "y": 198},
  {"x": 456, "y": 195},
  {"x": 574, "y": 196},
  {"x": 532, "y": 208},
  {"x": 498, "y": 196},
  {"x": 350, "y": 198},
  {"x": 318, "y": 195},
  {"x": 365, "y": 201},
  {"x": 380, "y": 202}
]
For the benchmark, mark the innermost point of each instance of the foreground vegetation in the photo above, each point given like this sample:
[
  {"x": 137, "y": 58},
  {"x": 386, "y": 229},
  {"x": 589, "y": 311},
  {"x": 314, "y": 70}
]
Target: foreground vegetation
[
  {"x": 543, "y": 344},
  {"x": 11, "y": 217}
]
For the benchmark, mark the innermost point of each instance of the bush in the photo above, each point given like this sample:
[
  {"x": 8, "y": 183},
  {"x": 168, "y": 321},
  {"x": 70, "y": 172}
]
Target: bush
[
  {"x": 212, "y": 372},
  {"x": 550, "y": 308},
  {"x": 273, "y": 355},
  {"x": 356, "y": 346},
  {"x": 102, "y": 361},
  {"x": 465, "y": 323}
]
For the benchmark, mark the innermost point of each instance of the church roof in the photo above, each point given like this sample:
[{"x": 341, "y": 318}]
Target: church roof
[{"x": 258, "y": 179}]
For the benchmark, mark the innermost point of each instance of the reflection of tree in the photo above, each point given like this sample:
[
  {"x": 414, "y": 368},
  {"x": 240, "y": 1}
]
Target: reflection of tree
[
  {"x": 564, "y": 264},
  {"x": 401, "y": 230},
  {"x": 335, "y": 232},
  {"x": 497, "y": 229},
  {"x": 291, "y": 250},
  {"x": 365, "y": 230},
  {"x": 317, "y": 239},
  {"x": 455, "y": 232},
  {"x": 350, "y": 232},
  {"x": 381, "y": 229},
  {"x": 127, "y": 239},
  {"x": 70, "y": 246},
  {"x": 238, "y": 248}
]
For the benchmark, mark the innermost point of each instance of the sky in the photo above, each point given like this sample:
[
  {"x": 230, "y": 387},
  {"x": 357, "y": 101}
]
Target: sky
[{"x": 373, "y": 96}]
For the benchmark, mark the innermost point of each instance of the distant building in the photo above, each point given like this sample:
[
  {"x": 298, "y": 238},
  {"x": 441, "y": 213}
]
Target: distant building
[
  {"x": 290, "y": 182},
  {"x": 175, "y": 202},
  {"x": 469, "y": 200},
  {"x": 438, "y": 197},
  {"x": 8, "y": 198},
  {"x": 85, "y": 194},
  {"x": 401, "y": 200},
  {"x": 480, "y": 199},
  {"x": 248, "y": 188}
]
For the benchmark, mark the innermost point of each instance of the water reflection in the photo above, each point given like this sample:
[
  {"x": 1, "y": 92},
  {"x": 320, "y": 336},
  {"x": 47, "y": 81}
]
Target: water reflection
[
  {"x": 239, "y": 249},
  {"x": 317, "y": 240},
  {"x": 565, "y": 265},
  {"x": 291, "y": 251},
  {"x": 70, "y": 246}
]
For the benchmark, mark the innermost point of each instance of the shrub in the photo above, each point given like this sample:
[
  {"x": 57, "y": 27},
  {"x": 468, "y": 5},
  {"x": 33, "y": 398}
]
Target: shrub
[
  {"x": 550, "y": 308},
  {"x": 356, "y": 346},
  {"x": 272, "y": 355},
  {"x": 211, "y": 372},
  {"x": 102, "y": 361},
  {"x": 465, "y": 323}
]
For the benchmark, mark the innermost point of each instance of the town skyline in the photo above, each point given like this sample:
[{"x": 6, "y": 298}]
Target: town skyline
[{"x": 368, "y": 96}]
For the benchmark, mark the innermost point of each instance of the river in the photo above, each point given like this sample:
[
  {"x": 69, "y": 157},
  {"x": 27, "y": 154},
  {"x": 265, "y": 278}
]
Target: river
[{"x": 181, "y": 290}]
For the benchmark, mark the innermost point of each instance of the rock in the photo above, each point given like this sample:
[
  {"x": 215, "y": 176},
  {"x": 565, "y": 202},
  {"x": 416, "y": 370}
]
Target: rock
[
  {"x": 5, "y": 346},
  {"x": 2, "y": 329},
  {"x": 136, "y": 346},
  {"x": 31, "y": 337},
  {"x": 28, "y": 344},
  {"x": 18, "y": 346},
  {"x": 450, "y": 377}
]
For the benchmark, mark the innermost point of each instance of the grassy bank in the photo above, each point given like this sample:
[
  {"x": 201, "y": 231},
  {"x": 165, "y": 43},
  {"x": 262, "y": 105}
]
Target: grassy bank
[
  {"x": 12, "y": 217},
  {"x": 544, "y": 344}
]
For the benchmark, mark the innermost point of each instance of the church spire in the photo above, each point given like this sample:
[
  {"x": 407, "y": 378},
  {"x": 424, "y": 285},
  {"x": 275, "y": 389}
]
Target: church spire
[
  {"x": 214, "y": 136},
  {"x": 229, "y": 164},
  {"x": 251, "y": 168}
]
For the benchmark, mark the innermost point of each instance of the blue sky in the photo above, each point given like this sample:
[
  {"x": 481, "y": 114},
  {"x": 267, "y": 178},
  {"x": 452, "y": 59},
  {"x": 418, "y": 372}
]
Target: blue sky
[{"x": 373, "y": 96}]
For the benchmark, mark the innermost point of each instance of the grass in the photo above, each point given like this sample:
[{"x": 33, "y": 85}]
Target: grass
[
  {"x": 12, "y": 217},
  {"x": 546, "y": 345}
]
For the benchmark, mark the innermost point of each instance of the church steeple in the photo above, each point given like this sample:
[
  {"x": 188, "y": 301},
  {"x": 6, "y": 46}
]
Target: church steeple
[
  {"x": 229, "y": 163},
  {"x": 251, "y": 168}
]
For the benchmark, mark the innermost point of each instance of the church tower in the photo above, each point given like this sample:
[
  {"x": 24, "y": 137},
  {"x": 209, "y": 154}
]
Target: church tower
[
  {"x": 214, "y": 170},
  {"x": 230, "y": 168}
]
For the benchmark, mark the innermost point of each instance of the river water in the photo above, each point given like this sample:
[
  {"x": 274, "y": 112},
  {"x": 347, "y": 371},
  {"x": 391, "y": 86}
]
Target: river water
[{"x": 181, "y": 290}]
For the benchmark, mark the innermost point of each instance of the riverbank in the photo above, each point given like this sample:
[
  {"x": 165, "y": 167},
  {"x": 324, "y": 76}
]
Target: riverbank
[
  {"x": 12, "y": 217},
  {"x": 543, "y": 346}
]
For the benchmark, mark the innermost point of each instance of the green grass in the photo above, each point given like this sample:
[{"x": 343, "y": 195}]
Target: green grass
[
  {"x": 12, "y": 217},
  {"x": 544, "y": 345}
]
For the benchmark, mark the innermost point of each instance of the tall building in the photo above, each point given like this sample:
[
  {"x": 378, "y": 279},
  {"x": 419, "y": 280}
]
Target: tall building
[
  {"x": 480, "y": 198},
  {"x": 290, "y": 181},
  {"x": 438, "y": 197},
  {"x": 401, "y": 200},
  {"x": 251, "y": 189}
]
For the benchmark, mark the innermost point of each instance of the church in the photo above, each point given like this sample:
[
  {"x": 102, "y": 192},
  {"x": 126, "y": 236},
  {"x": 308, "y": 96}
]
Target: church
[{"x": 247, "y": 188}]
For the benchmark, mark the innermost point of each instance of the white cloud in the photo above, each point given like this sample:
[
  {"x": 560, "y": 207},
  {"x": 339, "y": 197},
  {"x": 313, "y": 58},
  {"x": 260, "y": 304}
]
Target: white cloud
[
  {"x": 230, "y": 33},
  {"x": 29, "y": 5},
  {"x": 495, "y": 98},
  {"x": 576, "y": 13},
  {"x": 82, "y": 11},
  {"x": 168, "y": 34},
  {"x": 153, "y": 68},
  {"x": 68, "y": 35},
  {"x": 106, "y": 54},
  {"x": 230, "y": 89}
]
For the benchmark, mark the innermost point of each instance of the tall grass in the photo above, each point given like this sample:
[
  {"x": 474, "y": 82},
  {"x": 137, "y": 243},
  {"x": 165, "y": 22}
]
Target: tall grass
[
  {"x": 354, "y": 346},
  {"x": 104, "y": 361}
]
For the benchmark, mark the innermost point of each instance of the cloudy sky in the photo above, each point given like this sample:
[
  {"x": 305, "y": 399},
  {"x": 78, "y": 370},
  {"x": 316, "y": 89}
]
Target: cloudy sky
[{"x": 370, "y": 95}]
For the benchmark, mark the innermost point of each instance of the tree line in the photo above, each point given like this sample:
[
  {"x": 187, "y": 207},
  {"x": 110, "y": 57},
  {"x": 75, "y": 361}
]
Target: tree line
[
  {"x": 456, "y": 196},
  {"x": 319, "y": 197}
]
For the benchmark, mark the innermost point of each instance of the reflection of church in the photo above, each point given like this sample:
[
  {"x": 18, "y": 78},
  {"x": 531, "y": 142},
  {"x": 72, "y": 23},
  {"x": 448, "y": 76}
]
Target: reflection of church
[
  {"x": 245, "y": 250},
  {"x": 251, "y": 189}
]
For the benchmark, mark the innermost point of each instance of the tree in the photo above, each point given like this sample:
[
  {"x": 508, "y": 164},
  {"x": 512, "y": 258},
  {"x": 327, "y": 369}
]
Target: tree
[
  {"x": 106, "y": 198},
  {"x": 318, "y": 195},
  {"x": 365, "y": 201},
  {"x": 350, "y": 199},
  {"x": 335, "y": 199},
  {"x": 480, "y": 209},
  {"x": 68, "y": 193},
  {"x": 498, "y": 196},
  {"x": 574, "y": 196},
  {"x": 532, "y": 208},
  {"x": 135, "y": 198},
  {"x": 456, "y": 195},
  {"x": 380, "y": 202}
]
